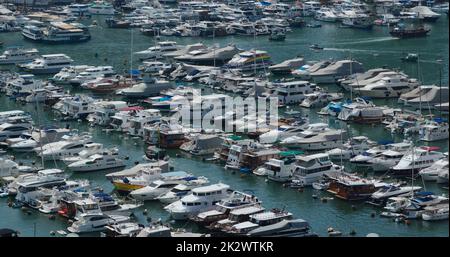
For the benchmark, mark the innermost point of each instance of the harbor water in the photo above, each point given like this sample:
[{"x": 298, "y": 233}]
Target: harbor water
[{"x": 373, "y": 48}]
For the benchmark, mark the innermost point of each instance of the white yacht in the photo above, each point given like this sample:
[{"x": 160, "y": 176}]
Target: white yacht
[
  {"x": 91, "y": 149},
  {"x": 438, "y": 212},
  {"x": 92, "y": 73},
  {"x": 283, "y": 131},
  {"x": 393, "y": 190},
  {"x": 101, "y": 8},
  {"x": 175, "y": 194},
  {"x": 355, "y": 146},
  {"x": 388, "y": 87},
  {"x": 431, "y": 173},
  {"x": 161, "y": 186},
  {"x": 95, "y": 222},
  {"x": 202, "y": 199},
  {"x": 69, "y": 146},
  {"x": 13, "y": 55},
  {"x": 278, "y": 170},
  {"x": 320, "y": 99},
  {"x": 98, "y": 162},
  {"x": 27, "y": 185},
  {"x": 311, "y": 168},
  {"x": 50, "y": 63},
  {"x": 434, "y": 131},
  {"x": 416, "y": 160},
  {"x": 386, "y": 160},
  {"x": 9, "y": 130},
  {"x": 292, "y": 92},
  {"x": 325, "y": 14},
  {"x": 76, "y": 107},
  {"x": 156, "y": 52},
  {"x": 67, "y": 73},
  {"x": 326, "y": 140}
]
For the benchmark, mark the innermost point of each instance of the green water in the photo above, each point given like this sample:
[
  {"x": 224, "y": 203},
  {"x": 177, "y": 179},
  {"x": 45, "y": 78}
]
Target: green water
[{"x": 373, "y": 48}]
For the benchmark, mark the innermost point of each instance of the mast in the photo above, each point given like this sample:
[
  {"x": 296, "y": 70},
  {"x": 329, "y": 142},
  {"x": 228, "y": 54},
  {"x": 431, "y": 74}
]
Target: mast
[{"x": 131, "y": 55}]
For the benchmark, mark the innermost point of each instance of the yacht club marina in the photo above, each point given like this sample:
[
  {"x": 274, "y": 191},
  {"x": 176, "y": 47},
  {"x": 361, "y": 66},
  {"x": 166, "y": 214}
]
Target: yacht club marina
[{"x": 365, "y": 144}]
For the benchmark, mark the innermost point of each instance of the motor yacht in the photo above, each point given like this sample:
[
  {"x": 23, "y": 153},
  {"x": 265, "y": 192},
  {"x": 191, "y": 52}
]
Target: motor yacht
[
  {"x": 50, "y": 63},
  {"x": 97, "y": 162},
  {"x": 416, "y": 160},
  {"x": 431, "y": 173},
  {"x": 14, "y": 55},
  {"x": 69, "y": 146},
  {"x": 201, "y": 199},
  {"x": 388, "y": 87},
  {"x": 95, "y": 222}
]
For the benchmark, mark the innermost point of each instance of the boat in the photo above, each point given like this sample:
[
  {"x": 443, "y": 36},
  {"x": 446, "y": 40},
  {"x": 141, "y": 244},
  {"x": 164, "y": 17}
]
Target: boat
[
  {"x": 434, "y": 131},
  {"x": 175, "y": 194},
  {"x": 335, "y": 71},
  {"x": 410, "y": 58},
  {"x": 388, "y": 87},
  {"x": 9, "y": 168},
  {"x": 320, "y": 99},
  {"x": 91, "y": 149},
  {"x": 156, "y": 52},
  {"x": 101, "y": 8},
  {"x": 95, "y": 222},
  {"x": 357, "y": 21},
  {"x": 325, "y": 14},
  {"x": 258, "y": 220},
  {"x": 315, "y": 141},
  {"x": 432, "y": 173},
  {"x": 201, "y": 199},
  {"x": 97, "y": 162},
  {"x": 69, "y": 146},
  {"x": 442, "y": 177},
  {"x": 434, "y": 213},
  {"x": 57, "y": 33},
  {"x": 202, "y": 145},
  {"x": 249, "y": 61},
  {"x": 315, "y": 47},
  {"x": 284, "y": 228},
  {"x": 277, "y": 36},
  {"x": 279, "y": 170},
  {"x": 10, "y": 130},
  {"x": 402, "y": 32},
  {"x": 50, "y": 63},
  {"x": 15, "y": 54},
  {"x": 387, "y": 191},
  {"x": 417, "y": 159},
  {"x": 351, "y": 187},
  {"x": 103, "y": 110},
  {"x": 353, "y": 147},
  {"x": 291, "y": 92},
  {"x": 361, "y": 111},
  {"x": 92, "y": 73},
  {"x": 160, "y": 187},
  {"x": 236, "y": 200},
  {"x": 425, "y": 95},
  {"x": 311, "y": 168},
  {"x": 214, "y": 56},
  {"x": 424, "y": 13},
  {"x": 67, "y": 73},
  {"x": 285, "y": 67},
  {"x": 150, "y": 87},
  {"x": 126, "y": 229}
]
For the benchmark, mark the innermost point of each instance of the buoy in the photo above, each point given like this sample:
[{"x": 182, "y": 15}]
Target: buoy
[
  {"x": 324, "y": 200},
  {"x": 300, "y": 189},
  {"x": 407, "y": 222},
  {"x": 353, "y": 232},
  {"x": 372, "y": 215},
  {"x": 127, "y": 157},
  {"x": 51, "y": 217},
  {"x": 314, "y": 196},
  {"x": 285, "y": 185},
  {"x": 145, "y": 212},
  {"x": 33, "y": 163},
  {"x": 266, "y": 180},
  {"x": 96, "y": 54}
]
